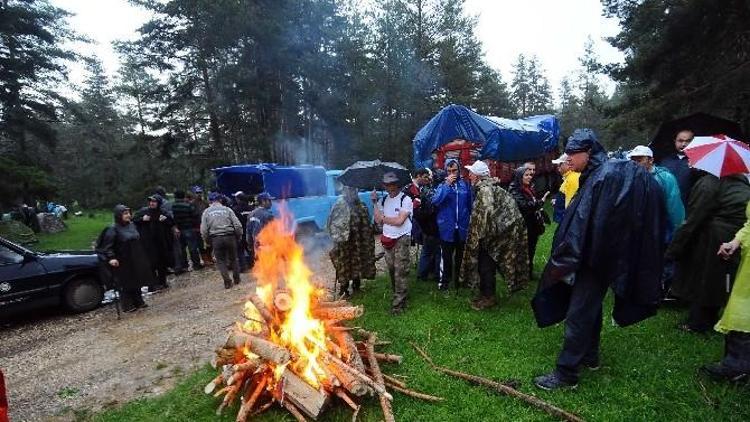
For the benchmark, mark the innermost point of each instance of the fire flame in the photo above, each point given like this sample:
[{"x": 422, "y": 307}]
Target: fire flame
[{"x": 283, "y": 278}]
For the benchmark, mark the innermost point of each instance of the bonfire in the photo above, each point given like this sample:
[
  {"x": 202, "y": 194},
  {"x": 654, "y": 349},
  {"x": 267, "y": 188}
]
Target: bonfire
[{"x": 292, "y": 349}]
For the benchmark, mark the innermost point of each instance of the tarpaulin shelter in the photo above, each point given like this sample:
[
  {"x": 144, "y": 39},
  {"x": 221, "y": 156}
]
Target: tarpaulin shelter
[
  {"x": 495, "y": 138},
  {"x": 279, "y": 181}
]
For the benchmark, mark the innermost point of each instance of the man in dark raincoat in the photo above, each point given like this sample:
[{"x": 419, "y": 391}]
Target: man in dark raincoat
[
  {"x": 716, "y": 210},
  {"x": 122, "y": 251},
  {"x": 610, "y": 236},
  {"x": 353, "y": 253},
  {"x": 155, "y": 224}
]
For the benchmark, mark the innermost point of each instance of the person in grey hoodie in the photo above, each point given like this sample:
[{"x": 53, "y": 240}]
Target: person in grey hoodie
[{"x": 221, "y": 228}]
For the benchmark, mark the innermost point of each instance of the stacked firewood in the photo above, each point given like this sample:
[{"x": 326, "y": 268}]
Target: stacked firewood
[{"x": 257, "y": 371}]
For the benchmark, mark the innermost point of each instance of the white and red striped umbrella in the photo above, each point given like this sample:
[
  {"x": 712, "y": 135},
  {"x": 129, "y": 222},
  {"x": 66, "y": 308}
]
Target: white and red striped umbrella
[{"x": 719, "y": 155}]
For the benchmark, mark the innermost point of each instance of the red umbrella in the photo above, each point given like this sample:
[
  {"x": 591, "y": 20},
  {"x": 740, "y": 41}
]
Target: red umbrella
[{"x": 719, "y": 155}]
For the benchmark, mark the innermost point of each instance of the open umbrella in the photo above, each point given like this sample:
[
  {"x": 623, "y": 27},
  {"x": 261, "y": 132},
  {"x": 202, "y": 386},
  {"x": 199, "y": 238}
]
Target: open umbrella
[
  {"x": 369, "y": 174},
  {"x": 701, "y": 124},
  {"x": 719, "y": 155}
]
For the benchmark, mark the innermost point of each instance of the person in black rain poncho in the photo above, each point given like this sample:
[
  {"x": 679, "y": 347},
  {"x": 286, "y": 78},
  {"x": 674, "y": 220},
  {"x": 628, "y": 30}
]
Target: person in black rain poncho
[
  {"x": 610, "y": 236},
  {"x": 155, "y": 227},
  {"x": 122, "y": 251}
]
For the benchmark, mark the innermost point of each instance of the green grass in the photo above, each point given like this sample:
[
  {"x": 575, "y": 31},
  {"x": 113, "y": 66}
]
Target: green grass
[
  {"x": 648, "y": 372},
  {"x": 82, "y": 232}
]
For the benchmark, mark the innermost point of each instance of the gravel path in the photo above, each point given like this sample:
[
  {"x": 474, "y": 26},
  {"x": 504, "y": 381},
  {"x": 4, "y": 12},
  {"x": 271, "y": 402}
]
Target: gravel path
[{"x": 56, "y": 364}]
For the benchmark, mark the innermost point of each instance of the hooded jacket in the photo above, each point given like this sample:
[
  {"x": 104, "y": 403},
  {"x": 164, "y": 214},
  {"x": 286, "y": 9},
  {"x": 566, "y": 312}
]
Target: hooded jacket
[
  {"x": 453, "y": 205},
  {"x": 121, "y": 241},
  {"x": 612, "y": 230}
]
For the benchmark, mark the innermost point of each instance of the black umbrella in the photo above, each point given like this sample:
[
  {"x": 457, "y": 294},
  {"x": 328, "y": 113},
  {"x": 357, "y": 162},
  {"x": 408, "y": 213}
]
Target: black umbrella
[
  {"x": 701, "y": 124},
  {"x": 369, "y": 174}
]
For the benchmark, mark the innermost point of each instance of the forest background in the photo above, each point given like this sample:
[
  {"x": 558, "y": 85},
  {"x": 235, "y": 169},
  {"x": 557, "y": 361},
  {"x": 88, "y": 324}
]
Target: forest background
[{"x": 213, "y": 82}]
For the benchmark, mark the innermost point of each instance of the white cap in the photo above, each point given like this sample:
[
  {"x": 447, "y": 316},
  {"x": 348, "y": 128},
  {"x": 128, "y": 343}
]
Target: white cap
[
  {"x": 561, "y": 159},
  {"x": 641, "y": 151},
  {"x": 239, "y": 192},
  {"x": 479, "y": 168}
]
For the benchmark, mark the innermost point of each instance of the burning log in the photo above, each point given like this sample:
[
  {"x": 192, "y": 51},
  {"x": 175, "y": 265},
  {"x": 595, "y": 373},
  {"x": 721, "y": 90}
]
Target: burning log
[
  {"x": 261, "y": 307},
  {"x": 282, "y": 300},
  {"x": 304, "y": 397},
  {"x": 340, "y": 313},
  {"x": 248, "y": 404},
  {"x": 267, "y": 350}
]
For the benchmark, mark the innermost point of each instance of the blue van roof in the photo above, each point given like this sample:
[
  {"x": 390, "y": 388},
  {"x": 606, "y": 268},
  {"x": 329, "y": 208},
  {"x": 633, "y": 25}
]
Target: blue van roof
[{"x": 279, "y": 181}]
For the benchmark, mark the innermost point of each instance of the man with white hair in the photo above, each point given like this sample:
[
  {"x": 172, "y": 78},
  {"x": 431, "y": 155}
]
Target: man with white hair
[
  {"x": 497, "y": 238},
  {"x": 644, "y": 157}
]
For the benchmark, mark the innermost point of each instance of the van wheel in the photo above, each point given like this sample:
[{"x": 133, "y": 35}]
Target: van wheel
[{"x": 83, "y": 294}]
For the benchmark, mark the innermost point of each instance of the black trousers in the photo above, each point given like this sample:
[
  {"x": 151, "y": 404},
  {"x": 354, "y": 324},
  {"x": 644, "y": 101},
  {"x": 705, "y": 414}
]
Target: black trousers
[
  {"x": 225, "y": 252},
  {"x": 130, "y": 298},
  {"x": 702, "y": 318},
  {"x": 487, "y": 272},
  {"x": 583, "y": 326},
  {"x": 737, "y": 351},
  {"x": 533, "y": 238},
  {"x": 453, "y": 253}
]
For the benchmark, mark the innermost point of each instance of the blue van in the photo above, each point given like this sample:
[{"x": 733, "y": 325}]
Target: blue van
[{"x": 308, "y": 192}]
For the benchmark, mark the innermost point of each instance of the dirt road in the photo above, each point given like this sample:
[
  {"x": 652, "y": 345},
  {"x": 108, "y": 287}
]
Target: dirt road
[{"x": 58, "y": 363}]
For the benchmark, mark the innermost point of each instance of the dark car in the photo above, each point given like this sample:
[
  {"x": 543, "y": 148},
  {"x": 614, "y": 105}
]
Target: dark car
[{"x": 31, "y": 279}]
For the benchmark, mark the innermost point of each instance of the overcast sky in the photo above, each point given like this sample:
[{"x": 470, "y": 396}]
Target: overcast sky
[{"x": 553, "y": 30}]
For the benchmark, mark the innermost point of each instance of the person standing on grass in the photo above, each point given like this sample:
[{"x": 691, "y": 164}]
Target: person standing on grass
[
  {"x": 184, "y": 216},
  {"x": 155, "y": 227},
  {"x": 611, "y": 235},
  {"x": 121, "y": 249},
  {"x": 735, "y": 322},
  {"x": 353, "y": 252},
  {"x": 221, "y": 228},
  {"x": 716, "y": 210},
  {"x": 424, "y": 224},
  {"x": 394, "y": 212},
  {"x": 452, "y": 198},
  {"x": 532, "y": 209},
  {"x": 497, "y": 237}
]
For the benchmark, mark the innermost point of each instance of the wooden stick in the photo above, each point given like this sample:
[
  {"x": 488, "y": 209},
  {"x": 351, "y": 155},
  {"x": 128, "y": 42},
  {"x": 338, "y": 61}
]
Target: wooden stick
[
  {"x": 388, "y": 358},
  {"x": 391, "y": 380},
  {"x": 385, "y": 404},
  {"x": 345, "y": 397},
  {"x": 339, "y": 314},
  {"x": 247, "y": 406},
  {"x": 294, "y": 411},
  {"x": 228, "y": 398},
  {"x": 268, "y": 350},
  {"x": 332, "y": 304},
  {"x": 261, "y": 307},
  {"x": 380, "y": 389},
  {"x": 412, "y": 393},
  {"x": 211, "y": 386},
  {"x": 503, "y": 389},
  {"x": 249, "y": 365},
  {"x": 262, "y": 409}
]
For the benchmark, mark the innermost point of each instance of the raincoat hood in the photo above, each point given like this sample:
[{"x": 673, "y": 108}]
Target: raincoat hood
[
  {"x": 450, "y": 161},
  {"x": 518, "y": 176},
  {"x": 118, "y": 211}
]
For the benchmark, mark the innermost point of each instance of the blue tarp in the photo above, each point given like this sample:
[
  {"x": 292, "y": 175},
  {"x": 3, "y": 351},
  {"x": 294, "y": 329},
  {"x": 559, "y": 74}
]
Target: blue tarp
[
  {"x": 501, "y": 139},
  {"x": 279, "y": 181}
]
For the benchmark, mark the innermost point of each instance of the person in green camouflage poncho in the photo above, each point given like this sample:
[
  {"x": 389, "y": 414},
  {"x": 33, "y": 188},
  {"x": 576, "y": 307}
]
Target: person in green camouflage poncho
[
  {"x": 497, "y": 238},
  {"x": 353, "y": 253}
]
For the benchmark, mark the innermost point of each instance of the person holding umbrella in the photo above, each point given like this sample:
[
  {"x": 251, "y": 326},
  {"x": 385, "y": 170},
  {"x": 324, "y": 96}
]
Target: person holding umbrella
[
  {"x": 394, "y": 212},
  {"x": 716, "y": 210}
]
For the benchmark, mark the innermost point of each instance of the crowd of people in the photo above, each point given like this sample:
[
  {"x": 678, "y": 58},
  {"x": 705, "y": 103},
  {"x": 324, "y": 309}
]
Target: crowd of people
[
  {"x": 186, "y": 234},
  {"x": 650, "y": 233},
  {"x": 623, "y": 224}
]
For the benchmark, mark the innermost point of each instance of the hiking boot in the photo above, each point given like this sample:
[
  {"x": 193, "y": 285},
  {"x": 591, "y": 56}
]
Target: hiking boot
[
  {"x": 553, "y": 381},
  {"x": 442, "y": 287},
  {"x": 397, "y": 311},
  {"x": 483, "y": 303},
  {"x": 592, "y": 365},
  {"x": 721, "y": 372},
  {"x": 227, "y": 284}
]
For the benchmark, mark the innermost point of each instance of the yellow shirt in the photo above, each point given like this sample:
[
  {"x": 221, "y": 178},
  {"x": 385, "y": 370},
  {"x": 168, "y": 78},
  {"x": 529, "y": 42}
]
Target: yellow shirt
[{"x": 569, "y": 186}]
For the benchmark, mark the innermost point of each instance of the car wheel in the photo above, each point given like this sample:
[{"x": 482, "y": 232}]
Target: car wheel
[{"x": 83, "y": 294}]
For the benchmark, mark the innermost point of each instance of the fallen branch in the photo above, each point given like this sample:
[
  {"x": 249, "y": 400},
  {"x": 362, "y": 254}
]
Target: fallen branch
[
  {"x": 412, "y": 393},
  {"x": 385, "y": 404},
  {"x": 503, "y": 389}
]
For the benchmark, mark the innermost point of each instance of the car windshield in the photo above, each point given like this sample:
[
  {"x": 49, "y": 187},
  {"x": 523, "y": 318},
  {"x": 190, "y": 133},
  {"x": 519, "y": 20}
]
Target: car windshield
[{"x": 10, "y": 245}]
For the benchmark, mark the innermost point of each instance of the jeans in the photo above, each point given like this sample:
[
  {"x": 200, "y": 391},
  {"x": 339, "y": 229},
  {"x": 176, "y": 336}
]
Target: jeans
[
  {"x": 453, "y": 253},
  {"x": 189, "y": 241},
  {"x": 583, "y": 325},
  {"x": 429, "y": 258}
]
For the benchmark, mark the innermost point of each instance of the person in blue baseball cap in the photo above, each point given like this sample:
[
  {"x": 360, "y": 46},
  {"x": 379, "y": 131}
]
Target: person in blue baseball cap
[{"x": 600, "y": 244}]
